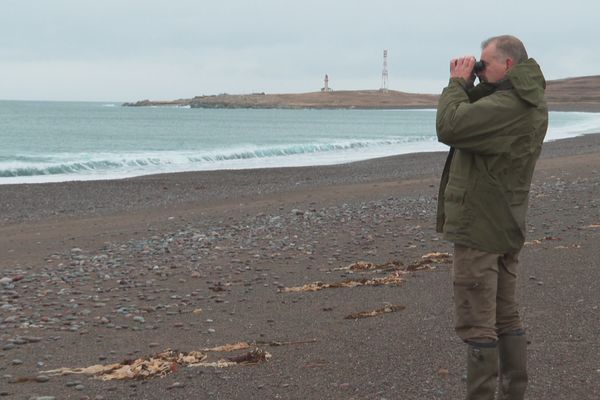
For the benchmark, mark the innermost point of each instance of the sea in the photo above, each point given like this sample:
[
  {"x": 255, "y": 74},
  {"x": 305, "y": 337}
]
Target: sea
[{"x": 69, "y": 141}]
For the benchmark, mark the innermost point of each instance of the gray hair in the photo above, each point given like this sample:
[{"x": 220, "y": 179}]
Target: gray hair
[{"x": 508, "y": 46}]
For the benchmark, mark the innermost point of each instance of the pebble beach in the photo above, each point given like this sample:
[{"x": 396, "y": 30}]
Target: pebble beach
[{"x": 330, "y": 280}]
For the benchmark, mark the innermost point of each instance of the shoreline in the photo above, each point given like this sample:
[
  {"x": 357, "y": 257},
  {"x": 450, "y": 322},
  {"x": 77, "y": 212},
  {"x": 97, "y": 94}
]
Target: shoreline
[
  {"x": 311, "y": 175},
  {"x": 132, "y": 203},
  {"x": 102, "y": 271},
  {"x": 233, "y": 169}
]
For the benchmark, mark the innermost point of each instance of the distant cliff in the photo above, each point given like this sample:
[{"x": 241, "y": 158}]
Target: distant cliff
[{"x": 571, "y": 94}]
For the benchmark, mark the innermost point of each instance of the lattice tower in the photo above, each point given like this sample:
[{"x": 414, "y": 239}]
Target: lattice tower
[{"x": 384, "y": 73}]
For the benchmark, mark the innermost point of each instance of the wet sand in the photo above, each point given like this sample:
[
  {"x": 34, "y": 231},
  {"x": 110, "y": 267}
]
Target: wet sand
[{"x": 99, "y": 272}]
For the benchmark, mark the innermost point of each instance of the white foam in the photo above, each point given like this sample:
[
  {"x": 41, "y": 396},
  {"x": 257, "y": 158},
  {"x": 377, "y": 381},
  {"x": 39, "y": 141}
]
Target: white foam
[
  {"x": 564, "y": 125},
  {"x": 322, "y": 151}
]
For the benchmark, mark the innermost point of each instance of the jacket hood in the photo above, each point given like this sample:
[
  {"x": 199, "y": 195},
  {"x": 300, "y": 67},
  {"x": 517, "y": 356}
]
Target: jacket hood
[{"x": 528, "y": 82}]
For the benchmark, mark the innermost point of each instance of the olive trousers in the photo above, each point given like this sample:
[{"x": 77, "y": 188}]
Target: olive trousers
[{"x": 484, "y": 294}]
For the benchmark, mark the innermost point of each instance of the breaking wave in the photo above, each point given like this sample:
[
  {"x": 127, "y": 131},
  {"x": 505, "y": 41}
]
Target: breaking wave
[{"x": 132, "y": 164}]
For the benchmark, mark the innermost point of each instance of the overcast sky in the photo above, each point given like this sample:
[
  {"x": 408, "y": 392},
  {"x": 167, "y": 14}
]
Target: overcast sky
[{"x": 126, "y": 50}]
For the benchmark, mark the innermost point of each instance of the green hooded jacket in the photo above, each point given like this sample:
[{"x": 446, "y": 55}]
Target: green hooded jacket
[{"x": 495, "y": 132}]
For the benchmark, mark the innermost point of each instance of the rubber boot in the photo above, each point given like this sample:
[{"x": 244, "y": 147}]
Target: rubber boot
[
  {"x": 482, "y": 371},
  {"x": 512, "y": 351}
]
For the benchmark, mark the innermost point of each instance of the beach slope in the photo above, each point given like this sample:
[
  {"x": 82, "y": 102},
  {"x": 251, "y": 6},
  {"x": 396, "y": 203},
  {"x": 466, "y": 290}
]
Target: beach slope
[{"x": 101, "y": 272}]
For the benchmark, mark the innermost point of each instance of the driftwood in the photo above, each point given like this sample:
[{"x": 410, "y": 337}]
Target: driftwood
[
  {"x": 390, "y": 308},
  {"x": 166, "y": 362},
  {"x": 393, "y": 278}
]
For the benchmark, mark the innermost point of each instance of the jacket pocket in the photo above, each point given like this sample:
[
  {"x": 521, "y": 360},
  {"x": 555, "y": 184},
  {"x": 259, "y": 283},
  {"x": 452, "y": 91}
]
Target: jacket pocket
[
  {"x": 456, "y": 211},
  {"x": 495, "y": 224}
]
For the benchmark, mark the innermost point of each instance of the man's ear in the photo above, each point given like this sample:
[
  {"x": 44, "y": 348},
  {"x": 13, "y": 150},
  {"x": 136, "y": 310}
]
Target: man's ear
[{"x": 509, "y": 63}]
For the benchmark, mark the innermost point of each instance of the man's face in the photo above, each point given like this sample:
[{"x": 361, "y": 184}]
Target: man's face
[{"x": 496, "y": 66}]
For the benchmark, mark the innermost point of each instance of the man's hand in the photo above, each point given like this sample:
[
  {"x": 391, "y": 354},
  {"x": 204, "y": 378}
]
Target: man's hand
[{"x": 463, "y": 68}]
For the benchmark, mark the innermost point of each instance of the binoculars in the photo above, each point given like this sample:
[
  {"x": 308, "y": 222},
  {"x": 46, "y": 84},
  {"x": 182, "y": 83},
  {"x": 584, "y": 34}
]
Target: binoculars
[{"x": 479, "y": 66}]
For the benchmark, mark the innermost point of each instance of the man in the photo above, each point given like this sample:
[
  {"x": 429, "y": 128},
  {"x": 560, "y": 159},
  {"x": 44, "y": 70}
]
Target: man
[{"x": 495, "y": 131}]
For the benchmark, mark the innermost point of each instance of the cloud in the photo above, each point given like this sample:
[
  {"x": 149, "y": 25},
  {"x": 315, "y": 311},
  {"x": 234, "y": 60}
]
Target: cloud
[{"x": 159, "y": 49}]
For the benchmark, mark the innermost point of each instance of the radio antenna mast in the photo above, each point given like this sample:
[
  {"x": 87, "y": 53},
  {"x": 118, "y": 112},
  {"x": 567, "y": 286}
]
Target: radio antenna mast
[{"x": 384, "y": 73}]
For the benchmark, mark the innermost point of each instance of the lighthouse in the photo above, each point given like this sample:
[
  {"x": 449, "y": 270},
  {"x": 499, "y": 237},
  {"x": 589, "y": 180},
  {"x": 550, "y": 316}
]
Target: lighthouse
[{"x": 326, "y": 87}]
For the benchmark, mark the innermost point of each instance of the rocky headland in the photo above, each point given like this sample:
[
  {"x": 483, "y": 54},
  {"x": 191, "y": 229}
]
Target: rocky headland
[{"x": 570, "y": 94}]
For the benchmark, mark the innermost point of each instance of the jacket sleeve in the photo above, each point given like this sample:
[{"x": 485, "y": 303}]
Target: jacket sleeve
[{"x": 484, "y": 127}]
